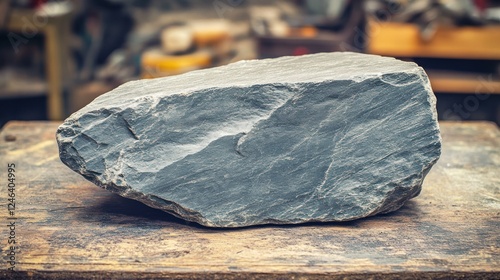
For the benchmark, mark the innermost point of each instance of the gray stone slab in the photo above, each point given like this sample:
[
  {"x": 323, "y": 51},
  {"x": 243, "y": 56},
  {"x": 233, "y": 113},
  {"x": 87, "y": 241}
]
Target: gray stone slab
[{"x": 323, "y": 137}]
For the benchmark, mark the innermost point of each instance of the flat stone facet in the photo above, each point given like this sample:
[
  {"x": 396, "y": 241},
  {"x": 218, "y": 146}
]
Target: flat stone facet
[{"x": 323, "y": 137}]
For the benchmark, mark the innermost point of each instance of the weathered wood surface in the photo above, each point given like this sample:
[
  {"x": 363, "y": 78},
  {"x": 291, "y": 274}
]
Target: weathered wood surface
[{"x": 68, "y": 228}]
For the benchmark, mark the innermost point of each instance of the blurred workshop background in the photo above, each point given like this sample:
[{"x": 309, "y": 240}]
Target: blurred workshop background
[{"x": 57, "y": 56}]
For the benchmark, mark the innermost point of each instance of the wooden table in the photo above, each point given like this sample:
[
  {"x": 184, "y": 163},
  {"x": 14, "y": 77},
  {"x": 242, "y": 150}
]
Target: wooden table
[{"x": 68, "y": 228}]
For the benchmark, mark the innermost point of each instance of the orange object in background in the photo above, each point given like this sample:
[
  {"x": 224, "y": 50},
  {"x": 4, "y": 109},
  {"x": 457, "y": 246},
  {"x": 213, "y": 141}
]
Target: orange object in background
[
  {"x": 194, "y": 35},
  {"x": 403, "y": 40},
  {"x": 191, "y": 46},
  {"x": 209, "y": 32},
  {"x": 305, "y": 32}
]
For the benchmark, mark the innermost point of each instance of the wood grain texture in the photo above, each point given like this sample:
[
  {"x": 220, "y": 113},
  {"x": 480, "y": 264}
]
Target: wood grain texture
[{"x": 69, "y": 228}]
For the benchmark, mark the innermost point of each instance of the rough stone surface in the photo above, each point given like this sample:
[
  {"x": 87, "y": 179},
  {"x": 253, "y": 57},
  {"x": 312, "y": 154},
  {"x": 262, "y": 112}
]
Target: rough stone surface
[{"x": 325, "y": 137}]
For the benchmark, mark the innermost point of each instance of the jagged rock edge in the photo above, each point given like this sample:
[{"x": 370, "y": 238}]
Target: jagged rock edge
[{"x": 182, "y": 212}]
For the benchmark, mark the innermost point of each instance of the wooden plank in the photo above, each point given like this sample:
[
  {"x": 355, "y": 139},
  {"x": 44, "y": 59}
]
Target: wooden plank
[
  {"x": 68, "y": 228},
  {"x": 467, "y": 83},
  {"x": 403, "y": 40},
  {"x": 55, "y": 54}
]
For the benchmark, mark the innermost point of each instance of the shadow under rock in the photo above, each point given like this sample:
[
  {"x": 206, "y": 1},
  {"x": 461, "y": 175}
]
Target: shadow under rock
[
  {"x": 409, "y": 211},
  {"x": 118, "y": 210},
  {"x": 114, "y": 209}
]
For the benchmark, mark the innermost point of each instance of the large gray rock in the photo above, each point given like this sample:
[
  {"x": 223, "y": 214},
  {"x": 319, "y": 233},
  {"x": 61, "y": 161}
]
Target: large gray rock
[{"x": 325, "y": 137}]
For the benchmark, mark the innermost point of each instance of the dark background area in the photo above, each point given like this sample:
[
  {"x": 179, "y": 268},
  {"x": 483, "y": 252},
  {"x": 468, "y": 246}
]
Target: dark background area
[{"x": 102, "y": 44}]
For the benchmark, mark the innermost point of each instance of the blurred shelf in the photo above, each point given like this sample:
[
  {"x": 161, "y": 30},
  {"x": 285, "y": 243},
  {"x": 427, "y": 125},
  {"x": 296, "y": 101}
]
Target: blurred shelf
[
  {"x": 404, "y": 40},
  {"x": 273, "y": 46},
  {"x": 23, "y": 88},
  {"x": 54, "y": 21},
  {"x": 455, "y": 82}
]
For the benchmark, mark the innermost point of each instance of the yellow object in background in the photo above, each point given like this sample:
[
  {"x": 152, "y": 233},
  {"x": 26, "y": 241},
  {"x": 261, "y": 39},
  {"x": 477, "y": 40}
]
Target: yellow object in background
[{"x": 155, "y": 63}]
